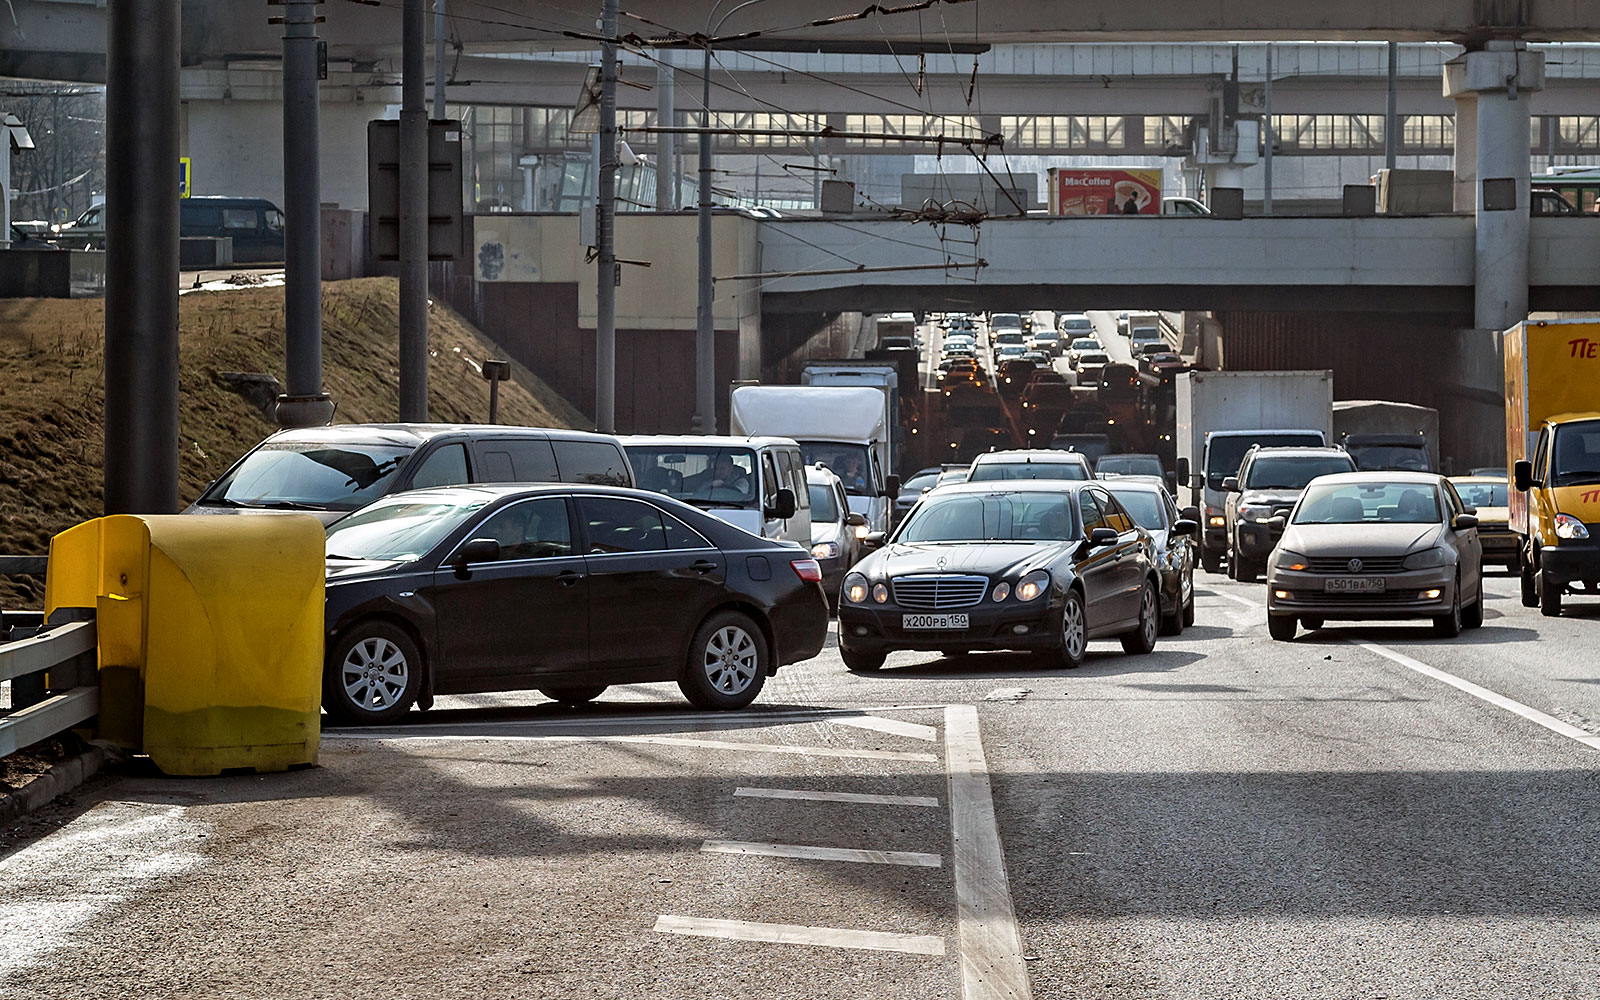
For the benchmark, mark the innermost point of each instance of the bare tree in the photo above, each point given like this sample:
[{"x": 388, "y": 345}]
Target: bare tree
[{"x": 66, "y": 171}]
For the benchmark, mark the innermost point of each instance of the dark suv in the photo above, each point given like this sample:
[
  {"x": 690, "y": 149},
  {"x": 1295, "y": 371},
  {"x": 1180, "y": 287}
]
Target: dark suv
[
  {"x": 1269, "y": 482},
  {"x": 332, "y": 471}
]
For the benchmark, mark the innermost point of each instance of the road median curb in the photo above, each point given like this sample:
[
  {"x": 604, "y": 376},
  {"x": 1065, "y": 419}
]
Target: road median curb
[{"x": 58, "y": 781}]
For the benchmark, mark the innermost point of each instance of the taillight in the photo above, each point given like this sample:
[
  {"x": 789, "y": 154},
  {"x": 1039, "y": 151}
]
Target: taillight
[{"x": 807, "y": 569}]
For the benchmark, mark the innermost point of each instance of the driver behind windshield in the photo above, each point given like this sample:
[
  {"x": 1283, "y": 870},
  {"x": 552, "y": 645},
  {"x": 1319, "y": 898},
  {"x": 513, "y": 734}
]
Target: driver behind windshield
[{"x": 722, "y": 475}]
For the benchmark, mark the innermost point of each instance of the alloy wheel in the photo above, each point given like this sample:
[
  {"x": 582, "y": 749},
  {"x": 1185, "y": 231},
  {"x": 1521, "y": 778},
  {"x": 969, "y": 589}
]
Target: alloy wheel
[
  {"x": 1073, "y": 631},
  {"x": 375, "y": 674},
  {"x": 730, "y": 659},
  {"x": 1148, "y": 623}
]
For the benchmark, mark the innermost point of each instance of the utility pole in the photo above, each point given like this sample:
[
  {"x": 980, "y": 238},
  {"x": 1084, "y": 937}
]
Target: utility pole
[
  {"x": 605, "y": 327},
  {"x": 438, "y": 60},
  {"x": 303, "y": 403},
  {"x": 666, "y": 114},
  {"x": 705, "y": 337},
  {"x": 141, "y": 353},
  {"x": 57, "y": 216},
  {"x": 1391, "y": 117},
  {"x": 413, "y": 216},
  {"x": 1268, "y": 140}
]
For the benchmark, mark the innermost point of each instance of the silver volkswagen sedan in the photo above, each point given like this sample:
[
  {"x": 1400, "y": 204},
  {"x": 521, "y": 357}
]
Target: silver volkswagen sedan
[{"x": 1377, "y": 545}]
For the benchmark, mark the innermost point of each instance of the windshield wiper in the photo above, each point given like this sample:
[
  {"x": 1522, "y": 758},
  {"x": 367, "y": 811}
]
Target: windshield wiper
[
  {"x": 219, "y": 502},
  {"x": 335, "y": 555},
  {"x": 718, "y": 504},
  {"x": 288, "y": 505}
]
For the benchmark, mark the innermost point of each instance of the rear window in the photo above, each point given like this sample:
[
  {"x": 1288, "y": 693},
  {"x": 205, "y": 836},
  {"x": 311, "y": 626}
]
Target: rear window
[
  {"x": 595, "y": 463},
  {"x": 990, "y": 471}
]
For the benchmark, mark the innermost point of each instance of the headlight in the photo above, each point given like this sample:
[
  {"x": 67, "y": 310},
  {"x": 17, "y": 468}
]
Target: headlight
[
  {"x": 825, "y": 550},
  {"x": 1217, "y": 520},
  {"x": 1033, "y": 585},
  {"x": 855, "y": 588},
  {"x": 1426, "y": 559},
  {"x": 1254, "y": 512},
  {"x": 863, "y": 530},
  {"x": 1292, "y": 561},
  {"x": 1002, "y": 591},
  {"x": 880, "y": 593},
  {"x": 1570, "y": 527}
]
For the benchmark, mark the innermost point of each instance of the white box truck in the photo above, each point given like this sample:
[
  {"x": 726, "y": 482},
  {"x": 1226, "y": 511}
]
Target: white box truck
[
  {"x": 845, "y": 427},
  {"x": 1222, "y": 414}
]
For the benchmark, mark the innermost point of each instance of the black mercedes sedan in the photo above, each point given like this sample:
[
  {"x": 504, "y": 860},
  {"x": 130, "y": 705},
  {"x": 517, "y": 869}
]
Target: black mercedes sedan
[
  {"x": 1041, "y": 565},
  {"x": 558, "y": 588}
]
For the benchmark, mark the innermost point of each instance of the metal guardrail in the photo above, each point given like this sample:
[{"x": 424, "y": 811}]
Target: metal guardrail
[{"x": 45, "y": 706}]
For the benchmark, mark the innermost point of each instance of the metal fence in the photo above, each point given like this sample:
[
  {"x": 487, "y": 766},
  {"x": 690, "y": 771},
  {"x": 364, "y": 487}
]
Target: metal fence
[{"x": 49, "y": 668}]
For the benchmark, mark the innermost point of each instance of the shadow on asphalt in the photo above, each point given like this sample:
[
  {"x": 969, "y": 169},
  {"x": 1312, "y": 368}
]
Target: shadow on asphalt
[
  {"x": 1099, "y": 662},
  {"x": 1488, "y": 635}
]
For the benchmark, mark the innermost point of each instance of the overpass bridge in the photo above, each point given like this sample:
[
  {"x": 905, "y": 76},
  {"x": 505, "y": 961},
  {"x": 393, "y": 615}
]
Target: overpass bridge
[{"x": 1374, "y": 264}]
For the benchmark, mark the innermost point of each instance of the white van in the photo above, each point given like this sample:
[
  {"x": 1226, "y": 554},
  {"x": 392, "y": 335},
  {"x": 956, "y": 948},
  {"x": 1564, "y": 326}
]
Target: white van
[{"x": 754, "y": 483}]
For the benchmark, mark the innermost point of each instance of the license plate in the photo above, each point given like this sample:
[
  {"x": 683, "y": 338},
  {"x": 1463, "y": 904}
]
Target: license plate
[
  {"x": 933, "y": 621},
  {"x": 1354, "y": 585}
]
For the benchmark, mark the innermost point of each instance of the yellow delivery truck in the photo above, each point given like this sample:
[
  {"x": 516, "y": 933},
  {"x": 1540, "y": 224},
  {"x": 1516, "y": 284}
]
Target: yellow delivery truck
[{"x": 1553, "y": 452}]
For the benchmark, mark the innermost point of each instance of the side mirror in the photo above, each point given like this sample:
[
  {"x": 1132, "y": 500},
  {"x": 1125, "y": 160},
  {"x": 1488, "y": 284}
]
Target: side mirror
[
  {"x": 855, "y": 520},
  {"x": 1190, "y": 514},
  {"x": 1522, "y": 476},
  {"x": 1103, "y": 536},
  {"x": 1184, "y": 526},
  {"x": 1230, "y": 485},
  {"x": 1278, "y": 523},
  {"x": 1464, "y": 521},
  {"x": 478, "y": 550},
  {"x": 783, "y": 505},
  {"x": 891, "y": 487},
  {"x": 874, "y": 539}
]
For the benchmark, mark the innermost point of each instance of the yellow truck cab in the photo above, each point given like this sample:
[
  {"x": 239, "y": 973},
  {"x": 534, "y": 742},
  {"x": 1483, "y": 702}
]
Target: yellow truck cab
[{"x": 1553, "y": 450}]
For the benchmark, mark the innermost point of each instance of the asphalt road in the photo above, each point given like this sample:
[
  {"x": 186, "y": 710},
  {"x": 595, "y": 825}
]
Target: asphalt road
[{"x": 1365, "y": 812}]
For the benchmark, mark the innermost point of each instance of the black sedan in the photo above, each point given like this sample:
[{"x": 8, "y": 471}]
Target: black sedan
[
  {"x": 1173, "y": 532},
  {"x": 559, "y": 588},
  {"x": 1043, "y": 566}
]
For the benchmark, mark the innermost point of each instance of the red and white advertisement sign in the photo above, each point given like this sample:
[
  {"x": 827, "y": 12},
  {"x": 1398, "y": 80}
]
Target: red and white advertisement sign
[{"x": 1096, "y": 191}]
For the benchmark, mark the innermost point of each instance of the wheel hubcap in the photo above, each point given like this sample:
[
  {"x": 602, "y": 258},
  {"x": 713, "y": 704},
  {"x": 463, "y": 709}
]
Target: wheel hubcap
[
  {"x": 1147, "y": 614},
  {"x": 1072, "y": 629},
  {"x": 375, "y": 673},
  {"x": 730, "y": 660}
]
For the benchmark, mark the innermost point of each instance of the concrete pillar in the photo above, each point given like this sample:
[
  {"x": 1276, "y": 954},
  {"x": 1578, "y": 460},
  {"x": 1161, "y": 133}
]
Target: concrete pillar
[
  {"x": 1224, "y": 175},
  {"x": 1503, "y": 75},
  {"x": 1465, "y": 195}
]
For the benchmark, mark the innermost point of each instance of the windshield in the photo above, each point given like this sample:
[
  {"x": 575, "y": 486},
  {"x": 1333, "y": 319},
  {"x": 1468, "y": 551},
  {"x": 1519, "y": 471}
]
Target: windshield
[
  {"x": 1086, "y": 344},
  {"x": 823, "y": 507},
  {"x": 400, "y": 529},
  {"x": 1225, "y": 454},
  {"x": 1382, "y": 457},
  {"x": 1369, "y": 503},
  {"x": 1005, "y": 321},
  {"x": 309, "y": 473},
  {"x": 1078, "y": 323},
  {"x": 847, "y": 461},
  {"x": 1024, "y": 517},
  {"x": 1292, "y": 473},
  {"x": 1576, "y": 458},
  {"x": 1129, "y": 465},
  {"x": 1483, "y": 494},
  {"x": 990, "y": 471},
  {"x": 718, "y": 476},
  {"x": 1008, "y": 338},
  {"x": 1145, "y": 506},
  {"x": 1094, "y": 359}
]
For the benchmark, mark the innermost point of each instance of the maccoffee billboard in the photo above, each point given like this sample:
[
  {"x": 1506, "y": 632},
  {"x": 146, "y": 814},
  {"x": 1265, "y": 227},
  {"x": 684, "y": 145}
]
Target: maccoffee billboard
[{"x": 1094, "y": 191}]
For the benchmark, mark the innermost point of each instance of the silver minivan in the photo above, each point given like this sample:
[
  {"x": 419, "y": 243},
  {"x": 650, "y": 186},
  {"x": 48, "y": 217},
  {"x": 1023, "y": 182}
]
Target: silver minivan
[{"x": 755, "y": 483}]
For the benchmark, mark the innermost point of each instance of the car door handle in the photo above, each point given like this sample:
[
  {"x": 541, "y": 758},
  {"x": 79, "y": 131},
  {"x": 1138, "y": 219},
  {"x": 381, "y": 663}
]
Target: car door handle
[
  {"x": 703, "y": 566},
  {"x": 568, "y": 577}
]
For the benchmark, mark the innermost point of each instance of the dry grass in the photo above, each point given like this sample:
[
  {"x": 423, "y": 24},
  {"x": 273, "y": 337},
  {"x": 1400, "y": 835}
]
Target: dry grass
[{"x": 52, "y": 375}]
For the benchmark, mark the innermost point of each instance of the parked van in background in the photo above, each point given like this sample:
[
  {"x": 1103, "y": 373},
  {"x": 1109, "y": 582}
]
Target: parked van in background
[{"x": 254, "y": 224}]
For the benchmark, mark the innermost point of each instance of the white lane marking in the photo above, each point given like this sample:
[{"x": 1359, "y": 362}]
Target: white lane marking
[
  {"x": 671, "y": 741},
  {"x": 894, "y": 727},
  {"x": 93, "y": 865},
  {"x": 825, "y": 937},
  {"x": 1007, "y": 694},
  {"x": 860, "y": 798},
  {"x": 1533, "y": 715},
  {"x": 717, "y": 720},
  {"x": 807, "y": 852},
  {"x": 1252, "y": 605},
  {"x": 992, "y": 965}
]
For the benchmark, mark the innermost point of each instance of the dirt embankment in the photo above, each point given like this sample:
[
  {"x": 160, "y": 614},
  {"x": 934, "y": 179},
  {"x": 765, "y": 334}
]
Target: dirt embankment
[{"x": 52, "y": 378}]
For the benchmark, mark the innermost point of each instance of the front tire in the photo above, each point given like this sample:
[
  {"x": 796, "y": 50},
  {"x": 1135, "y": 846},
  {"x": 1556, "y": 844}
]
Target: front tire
[
  {"x": 1188, "y": 603},
  {"x": 1143, "y": 639},
  {"x": 1311, "y": 624},
  {"x": 1282, "y": 627},
  {"x": 574, "y": 695},
  {"x": 1530, "y": 585},
  {"x": 1074, "y": 632},
  {"x": 1549, "y": 597},
  {"x": 1243, "y": 571},
  {"x": 727, "y": 663},
  {"x": 372, "y": 674},
  {"x": 1211, "y": 561},
  {"x": 861, "y": 663},
  {"x": 1448, "y": 626}
]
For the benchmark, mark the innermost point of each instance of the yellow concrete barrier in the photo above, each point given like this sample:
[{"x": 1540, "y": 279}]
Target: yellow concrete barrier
[{"x": 210, "y": 634}]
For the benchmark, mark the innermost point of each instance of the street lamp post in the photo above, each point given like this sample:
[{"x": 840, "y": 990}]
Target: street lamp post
[{"x": 705, "y": 337}]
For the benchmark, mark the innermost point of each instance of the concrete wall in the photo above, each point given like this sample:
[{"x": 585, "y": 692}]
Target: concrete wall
[{"x": 237, "y": 149}]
